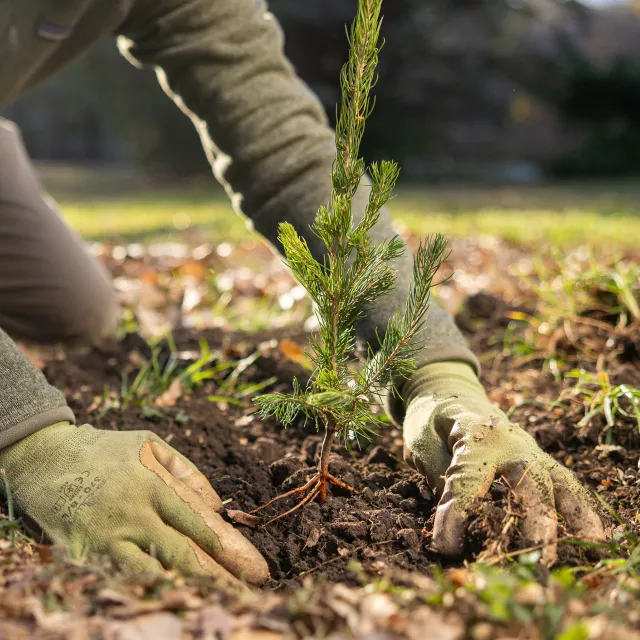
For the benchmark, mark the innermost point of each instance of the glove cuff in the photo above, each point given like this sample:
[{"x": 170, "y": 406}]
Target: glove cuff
[{"x": 442, "y": 379}]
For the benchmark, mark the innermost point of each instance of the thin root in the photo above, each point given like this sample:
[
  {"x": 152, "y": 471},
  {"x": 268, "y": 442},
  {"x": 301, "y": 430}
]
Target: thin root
[
  {"x": 293, "y": 492},
  {"x": 308, "y": 498},
  {"x": 317, "y": 486},
  {"x": 342, "y": 485}
]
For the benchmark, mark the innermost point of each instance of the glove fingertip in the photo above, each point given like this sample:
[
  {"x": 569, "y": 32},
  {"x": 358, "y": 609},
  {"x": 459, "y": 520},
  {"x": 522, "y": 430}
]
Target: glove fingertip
[
  {"x": 212, "y": 569},
  {"x": 448, "y": 530},
  {"x": 577, "y": 506},
  {"x": 237, "y": 554}
]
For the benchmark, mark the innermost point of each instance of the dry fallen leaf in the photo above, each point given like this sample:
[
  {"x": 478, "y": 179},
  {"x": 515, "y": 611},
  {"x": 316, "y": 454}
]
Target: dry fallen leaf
[
  {"x": 149, "y": 627},
  {"x": 171, "y": 395},
  {"x": 439, "y": 626},
  {"x": 243, "y": 518},
  {"x": 45, "y": 553},
  {"x": 292, "y": 351},
  {"x": 313, "y": 539},
  {"x": 214, "y": 622},
  {"x": 150, "y": 277},
  {"x": 254, "y": 634},
  {"x": 459, "y": 577},
  {"x": 194, "y": 269}
]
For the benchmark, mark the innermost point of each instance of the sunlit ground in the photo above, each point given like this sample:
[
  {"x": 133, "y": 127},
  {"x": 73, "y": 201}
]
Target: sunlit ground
[{"x": 101, "y": 204}]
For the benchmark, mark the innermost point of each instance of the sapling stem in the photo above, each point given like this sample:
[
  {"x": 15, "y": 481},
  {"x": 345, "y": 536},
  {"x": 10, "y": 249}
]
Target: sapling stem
[
  {"x": 329, "y": 434},
  {"x": 349, "y": 278}
]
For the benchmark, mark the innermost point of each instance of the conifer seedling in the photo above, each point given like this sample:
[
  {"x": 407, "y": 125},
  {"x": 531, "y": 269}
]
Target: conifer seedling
[{"x": 340, "y": 396}]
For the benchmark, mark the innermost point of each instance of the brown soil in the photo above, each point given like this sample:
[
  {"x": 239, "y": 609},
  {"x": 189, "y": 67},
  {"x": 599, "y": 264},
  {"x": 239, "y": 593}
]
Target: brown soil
[
  {"x": 249, "y": 460},
  {"x": 386, "y": 527}
]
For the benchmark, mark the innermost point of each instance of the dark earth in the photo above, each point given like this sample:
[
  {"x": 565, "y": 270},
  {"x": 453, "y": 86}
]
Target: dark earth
[
  {"x": 359, "y": 566},
  {"x": 250, "y": 461}
]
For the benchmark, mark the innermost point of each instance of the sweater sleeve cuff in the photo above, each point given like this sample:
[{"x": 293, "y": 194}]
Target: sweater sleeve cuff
[
  {"x": 25, "y": 428},
  {"x": 27, "y": 401}
]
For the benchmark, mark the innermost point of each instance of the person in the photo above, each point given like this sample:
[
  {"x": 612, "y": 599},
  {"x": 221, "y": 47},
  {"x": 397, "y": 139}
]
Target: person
[{"x": 128, "y": 495}]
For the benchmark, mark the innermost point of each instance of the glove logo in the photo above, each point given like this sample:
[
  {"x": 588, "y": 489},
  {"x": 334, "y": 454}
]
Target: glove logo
[{"x": 77, "y": 493}]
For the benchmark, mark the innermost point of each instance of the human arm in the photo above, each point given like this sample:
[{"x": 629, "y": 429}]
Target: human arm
[
  {"x": 223, "y": 63},
  {"x": 264, "y": 132}
]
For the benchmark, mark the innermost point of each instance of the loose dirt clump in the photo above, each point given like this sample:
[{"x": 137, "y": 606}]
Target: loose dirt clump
[
  {"x": 250, "y": 461},
  {"x": 493, "y": 524}
]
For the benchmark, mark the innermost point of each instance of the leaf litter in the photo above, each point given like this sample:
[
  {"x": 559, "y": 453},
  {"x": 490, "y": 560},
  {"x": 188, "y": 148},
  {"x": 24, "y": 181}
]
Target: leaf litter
[{"x": 359, "y": 566}]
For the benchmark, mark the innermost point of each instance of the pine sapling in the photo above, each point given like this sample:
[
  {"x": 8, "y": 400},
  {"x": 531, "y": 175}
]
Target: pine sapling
[{"x": 340, "y": 397}]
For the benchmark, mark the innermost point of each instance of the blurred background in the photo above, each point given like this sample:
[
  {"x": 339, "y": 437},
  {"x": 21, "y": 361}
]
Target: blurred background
[
  {"x": 500, "y": 90},
  {"x": 496, "y": 110}
]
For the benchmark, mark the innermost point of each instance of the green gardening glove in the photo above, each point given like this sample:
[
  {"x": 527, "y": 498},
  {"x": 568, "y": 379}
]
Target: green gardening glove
[
  {"x": 461, "y": 443},
  {"x": 128, "y": 496}
]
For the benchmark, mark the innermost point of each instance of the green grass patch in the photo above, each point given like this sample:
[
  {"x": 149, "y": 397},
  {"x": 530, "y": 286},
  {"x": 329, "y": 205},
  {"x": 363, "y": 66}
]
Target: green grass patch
[
  {"x": 601, "y": 397},
  {"x": 153, "y": 214},
  {"x": 166, "y": 374},
  {"x": 567, "y": 215},
  {"x": 563, "y": 215}
]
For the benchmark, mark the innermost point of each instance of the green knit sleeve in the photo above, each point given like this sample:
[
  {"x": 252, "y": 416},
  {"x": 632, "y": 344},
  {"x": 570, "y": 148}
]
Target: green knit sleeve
[
  {"x": 264, "y": 132},
  {"x": 28, "y": 402}
]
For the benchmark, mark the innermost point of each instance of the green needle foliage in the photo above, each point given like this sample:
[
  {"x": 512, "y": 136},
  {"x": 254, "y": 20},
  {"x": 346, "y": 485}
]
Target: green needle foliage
[{"x": 354, "y": 272}]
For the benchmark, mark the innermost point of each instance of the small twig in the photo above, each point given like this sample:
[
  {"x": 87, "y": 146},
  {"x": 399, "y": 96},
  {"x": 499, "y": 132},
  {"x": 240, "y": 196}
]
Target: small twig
[
  {"x": 336, "y": 558},
  {"x": 580, "y": 319},
  {"x": 524, "y": 475},
  {"x": 520, "y": 552}
]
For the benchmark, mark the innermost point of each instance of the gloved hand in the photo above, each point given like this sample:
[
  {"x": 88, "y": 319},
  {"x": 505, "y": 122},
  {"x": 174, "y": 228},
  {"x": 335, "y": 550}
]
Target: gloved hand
[
  {"x": 462, "y": 443},
  {"x": 129, "y": 496}
]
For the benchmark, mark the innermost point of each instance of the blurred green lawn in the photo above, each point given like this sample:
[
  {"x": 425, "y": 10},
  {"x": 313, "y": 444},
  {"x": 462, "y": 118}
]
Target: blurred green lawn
[{"x": 598, "y": 214}]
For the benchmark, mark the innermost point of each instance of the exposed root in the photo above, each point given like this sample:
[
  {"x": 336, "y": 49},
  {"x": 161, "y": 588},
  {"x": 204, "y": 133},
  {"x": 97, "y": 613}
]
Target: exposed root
[
  {"x": 308, "y": 498},
  {"x": 293, "y": 492},
  {"x": 315, "y": 488},
  {"x": 342, "y": 485}
]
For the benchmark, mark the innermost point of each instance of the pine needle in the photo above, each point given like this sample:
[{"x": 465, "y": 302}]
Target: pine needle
[{"x": 354, "y": 272}]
